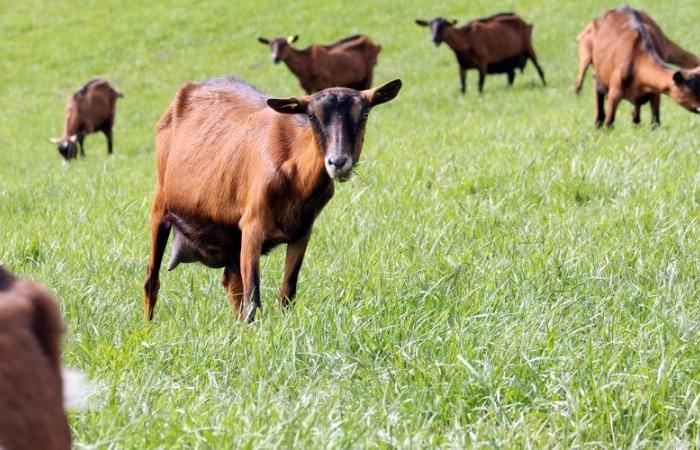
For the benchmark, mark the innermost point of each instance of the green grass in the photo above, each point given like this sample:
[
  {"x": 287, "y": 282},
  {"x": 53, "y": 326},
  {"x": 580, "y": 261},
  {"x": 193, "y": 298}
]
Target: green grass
[{"x": 499, "y": 273}]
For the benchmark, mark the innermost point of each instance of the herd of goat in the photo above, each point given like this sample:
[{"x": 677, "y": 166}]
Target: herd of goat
[{"x": 239, "y": 173}]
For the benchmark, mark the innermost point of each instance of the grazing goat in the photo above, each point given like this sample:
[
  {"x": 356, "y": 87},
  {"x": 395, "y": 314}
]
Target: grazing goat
[
  {"x": 347, "y": 63},
  {"x": 668, "y": 50},
  {"x": 88, "y": 110},
  {"x": 500, "y": 43},
  {"x": 31, "y": 399},
  {"x": 240, "y": 173},
  {"x": 629, "y": 54}
]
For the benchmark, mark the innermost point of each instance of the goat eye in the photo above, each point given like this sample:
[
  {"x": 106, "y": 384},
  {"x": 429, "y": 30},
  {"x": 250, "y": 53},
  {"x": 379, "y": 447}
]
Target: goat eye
[{"x": 365, "y": 116}]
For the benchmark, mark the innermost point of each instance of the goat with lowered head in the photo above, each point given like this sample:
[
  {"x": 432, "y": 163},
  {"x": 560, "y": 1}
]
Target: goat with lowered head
[
  {"x": 348, "y": 62},
  {"x": 627, "y": 51},
  {"x": 90, "y": 109}
]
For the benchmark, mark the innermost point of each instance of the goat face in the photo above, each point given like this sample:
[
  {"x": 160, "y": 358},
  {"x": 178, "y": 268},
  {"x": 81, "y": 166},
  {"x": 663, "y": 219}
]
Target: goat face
[
  {"x": 338, "y": 117},
  {"x": 687, "y": 87},
  {"x": 67, "y": 147},
  {"x": 437, "y": 28},
  {"x": 279, "y": 47}
]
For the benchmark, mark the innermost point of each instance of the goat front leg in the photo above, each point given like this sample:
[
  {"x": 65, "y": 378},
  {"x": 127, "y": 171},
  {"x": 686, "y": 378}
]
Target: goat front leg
[
  {"x": 251, "y": 248},
  {"x": 82, "y": 147},
  {"x": 655, "y": 110},
  {"x": 292, "y": 266}
]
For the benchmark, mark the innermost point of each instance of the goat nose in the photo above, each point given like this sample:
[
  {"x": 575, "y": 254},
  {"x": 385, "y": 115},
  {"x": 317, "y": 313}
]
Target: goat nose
[{"x": 338, "y": 161}]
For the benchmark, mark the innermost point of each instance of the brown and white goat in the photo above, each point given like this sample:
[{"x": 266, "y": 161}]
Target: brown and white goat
[
  {"x": 90, "y": 109},
  {"x": 31, "y": 398},
  {"x": 500, "y": 43},
  {"x": 627, "y": 50},
  {"x": 240, "y": 173},
  {"x": 347, "y": 63}
]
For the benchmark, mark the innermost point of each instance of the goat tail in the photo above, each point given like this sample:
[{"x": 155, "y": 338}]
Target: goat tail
[
  {"x": 119, "y": 94},
  {"x": 588, "y": 29}
]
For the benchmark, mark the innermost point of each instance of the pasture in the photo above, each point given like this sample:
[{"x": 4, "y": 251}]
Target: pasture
[{"x": 497, "y": 273}]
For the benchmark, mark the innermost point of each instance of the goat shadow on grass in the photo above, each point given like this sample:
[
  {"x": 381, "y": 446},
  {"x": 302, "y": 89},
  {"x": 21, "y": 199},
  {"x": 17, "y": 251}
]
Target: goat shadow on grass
[
  {"x": 494, "y": 85},
  {"x": 527, "y": 85}
]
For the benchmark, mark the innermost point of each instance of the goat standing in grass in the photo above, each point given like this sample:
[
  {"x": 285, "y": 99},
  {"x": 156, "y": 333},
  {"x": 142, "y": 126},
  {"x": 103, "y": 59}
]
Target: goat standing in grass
[
  {"x": 347, "y": 63},
  {"x": 90, "y": 109},
  {"x": 626, "y": 49},
  {"x": 240, "y": 173}
]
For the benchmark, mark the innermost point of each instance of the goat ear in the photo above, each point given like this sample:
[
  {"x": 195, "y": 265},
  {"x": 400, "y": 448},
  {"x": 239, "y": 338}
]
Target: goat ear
[
  {"x": 54, "y": 140},
  {"x": 383, "y": 93},
  {"x": 262, "y": 40},
  {"x": 292, "y": 39},
  {"x": 678, "y": 78},
  {"x": 422, "y": 23},
  {"x": 291, "y": 105}
]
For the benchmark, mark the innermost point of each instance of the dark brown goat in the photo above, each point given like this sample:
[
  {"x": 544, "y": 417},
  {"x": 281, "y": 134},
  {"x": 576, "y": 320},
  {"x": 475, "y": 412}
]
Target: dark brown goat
[
  {"x": 31, "y": 398},
  {"x": 627, "y": 51},
  {"x": 500, "y": 43},
  {"x": 240, "y": 173},
  {"x": 90, "y": 109},
  {"x": 347, "y": 63}
]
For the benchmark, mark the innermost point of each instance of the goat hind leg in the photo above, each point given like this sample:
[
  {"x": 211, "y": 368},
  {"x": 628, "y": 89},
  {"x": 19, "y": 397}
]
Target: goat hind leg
[
  {"x": 614, "y": 99},
  {"x": 533, "y": 57},
  {"x": 583, "y": 63},
  {"x": 107, "y": 130},
  {"x": 160, "y": 231},
  {"x": 233, "y": 284}
]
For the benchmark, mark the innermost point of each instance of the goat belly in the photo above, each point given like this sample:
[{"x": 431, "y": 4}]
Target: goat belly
[
  {"x": 508, "y": 65},
  {"x": 214, "y": 247}
]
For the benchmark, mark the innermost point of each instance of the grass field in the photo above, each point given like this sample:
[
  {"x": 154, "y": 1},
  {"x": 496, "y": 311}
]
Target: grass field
[{"x": 499, "y": 273}]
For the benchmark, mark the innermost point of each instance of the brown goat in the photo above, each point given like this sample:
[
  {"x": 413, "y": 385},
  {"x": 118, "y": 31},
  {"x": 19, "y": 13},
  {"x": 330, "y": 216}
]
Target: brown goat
[
  {"x": 31, "y": 398},
  {"x": 500, "y": 43},
  {"x": 627, "y": 51},
  {"x": 240, "y": 173},
  {"x": 90, "y": 109},
  {"x": 347, "y": 63},
  {"x": 667, "y": 49}
]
